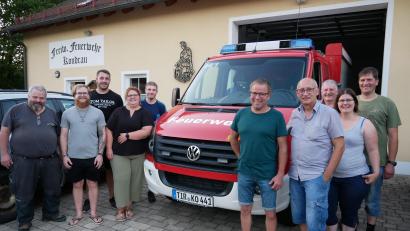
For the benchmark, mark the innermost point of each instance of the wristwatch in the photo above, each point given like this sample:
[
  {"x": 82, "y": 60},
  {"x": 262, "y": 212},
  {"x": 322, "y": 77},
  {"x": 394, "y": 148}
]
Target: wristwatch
[
  {"x": 392, "y": 162},
  {"x": 127, "y": 136}
]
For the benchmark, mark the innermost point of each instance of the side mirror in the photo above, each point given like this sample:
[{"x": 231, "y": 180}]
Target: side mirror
[{"x": 175, "y": 96}]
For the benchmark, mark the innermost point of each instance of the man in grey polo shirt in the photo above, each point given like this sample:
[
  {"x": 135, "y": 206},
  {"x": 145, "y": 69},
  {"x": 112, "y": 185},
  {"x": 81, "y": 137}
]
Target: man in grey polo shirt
[
  {"x": 317, "y": 147},
  {"x": 32, "y": 157}
]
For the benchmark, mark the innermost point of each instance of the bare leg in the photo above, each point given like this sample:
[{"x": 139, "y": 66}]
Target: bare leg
[
  {"x": 93, "y": 196},
  {"x": 271, "y": 221},
  {"x": 78, "y": 197},
  {"x": 246, "y": 217},
  {"x": 332, "y": 227},
  {"x": 371, "y": 220},
  {"x": 347, "y": 228},
  {"x": 303, "y": 227}
]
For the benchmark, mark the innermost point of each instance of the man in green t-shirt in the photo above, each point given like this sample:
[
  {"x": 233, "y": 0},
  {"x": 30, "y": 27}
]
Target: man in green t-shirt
[
  {"x": 262, "y": 153},
  {"x": 382, "y": 112}
]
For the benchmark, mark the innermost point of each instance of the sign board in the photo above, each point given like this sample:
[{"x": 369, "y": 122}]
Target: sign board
[{"x": 80, "y": 52}]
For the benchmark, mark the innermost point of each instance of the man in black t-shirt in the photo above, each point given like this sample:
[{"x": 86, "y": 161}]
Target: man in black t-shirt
[{"x": 107, "y": 101}]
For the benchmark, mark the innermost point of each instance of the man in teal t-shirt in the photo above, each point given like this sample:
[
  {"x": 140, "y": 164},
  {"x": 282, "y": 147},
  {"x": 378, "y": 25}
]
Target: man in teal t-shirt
[{"x": 262, "y": 131}]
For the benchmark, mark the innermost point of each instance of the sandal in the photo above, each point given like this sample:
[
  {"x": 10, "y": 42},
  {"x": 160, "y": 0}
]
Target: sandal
[
  {"x": 97, "y": 219},
  {"x": 121, "y": 216},
  {"x": 129, "y": 214},
  {"x": 74, "y": 221}
]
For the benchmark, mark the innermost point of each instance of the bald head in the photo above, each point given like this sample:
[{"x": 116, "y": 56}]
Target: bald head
[
  {"x": 307, "y": 91},
  {"x": 307, "y": 82}
]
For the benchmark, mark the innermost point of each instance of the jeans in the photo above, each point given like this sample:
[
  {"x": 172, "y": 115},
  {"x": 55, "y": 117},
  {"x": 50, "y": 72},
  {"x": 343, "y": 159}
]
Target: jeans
[
  {"x": 24, "y": 177},
  {"x": 309, "y": 202},
  {"x": 348, "y": 193},
  {"x": 246, "y": 189},
  {"x": 373, "y": 198}
]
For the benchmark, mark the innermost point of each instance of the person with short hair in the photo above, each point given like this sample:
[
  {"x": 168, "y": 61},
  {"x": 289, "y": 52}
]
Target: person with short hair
[
  {"x": 262, "y": 153},
  {"x": 317, "y": 147},
  {"x": 157, "y": 109},
  {"x": 127, "y": 130},
  {"x": 383, "y": 113},
  {"x": 82, "y": 144},
  {"x": 107, "y": 101},
  {"x": 29, "y": 148},
  {"x": 352, "y": 177},
  {"x": 329, "y": 92}
]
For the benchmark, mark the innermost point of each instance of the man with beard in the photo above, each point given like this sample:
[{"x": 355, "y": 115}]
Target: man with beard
[
  {"x": 156, "y": 108},
  {"x": 33, "y": 156},
  {"x": 329, "y": 92},
  {"x": 82, "y": 144},
  {"x": 107, "y": 101}
]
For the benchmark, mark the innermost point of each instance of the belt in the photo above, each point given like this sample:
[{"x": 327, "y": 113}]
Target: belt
[{"x": 37, "y": 157}]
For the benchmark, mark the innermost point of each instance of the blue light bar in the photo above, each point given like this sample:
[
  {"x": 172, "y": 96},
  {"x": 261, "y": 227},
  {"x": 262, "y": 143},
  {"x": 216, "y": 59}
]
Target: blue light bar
[
  {"x": 268, "y": 45},
  {"x": 230, "y": 48},
  {"x": 301, "y": 43}
]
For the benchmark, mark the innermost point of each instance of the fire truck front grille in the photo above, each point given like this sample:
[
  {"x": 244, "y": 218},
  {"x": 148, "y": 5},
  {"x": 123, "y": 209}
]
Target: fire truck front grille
[
  {"x": 195, "y": 184},
  {"x": 213, "y": 156}
]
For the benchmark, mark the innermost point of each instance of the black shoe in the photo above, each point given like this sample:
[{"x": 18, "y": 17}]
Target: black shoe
[
  {"x": 112, "y": 202},
  {"x": 151, "y": 197},
  {"x": 86, "y": 205},
  {"x": 59, "y": 218},
  {"x": 24, "y": 227}
]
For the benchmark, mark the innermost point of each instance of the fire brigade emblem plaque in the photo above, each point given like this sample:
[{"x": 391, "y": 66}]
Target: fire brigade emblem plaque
[
  {"x": 184, "y": 68},
  {"x": 193, "y": 153}
]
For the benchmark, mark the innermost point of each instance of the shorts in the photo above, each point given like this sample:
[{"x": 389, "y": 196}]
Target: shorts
[
  {"x": 83, "y": 169},
  {"x": 246, "y": 190},
  {"x": 309, "y": 204},
  {"x": 107, "y": 163},
  {"x": 373, "y": 207},
  {"x": 348, "y": 194}
]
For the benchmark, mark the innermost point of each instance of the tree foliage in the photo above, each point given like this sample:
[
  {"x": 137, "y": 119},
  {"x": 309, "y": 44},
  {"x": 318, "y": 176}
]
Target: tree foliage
[{"x": 11, "y": 48}]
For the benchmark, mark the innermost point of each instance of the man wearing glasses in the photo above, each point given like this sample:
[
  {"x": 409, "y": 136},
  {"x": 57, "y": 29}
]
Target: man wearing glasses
[
  {"x": 33, "y": 156},
  {"x": 317, "y": 147},
  {"x": 262, "y": 153},
  {"x": 82, "y": 143}
]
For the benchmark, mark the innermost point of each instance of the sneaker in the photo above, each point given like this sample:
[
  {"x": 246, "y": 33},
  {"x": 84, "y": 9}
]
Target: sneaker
[
  {"x": 112, "y": 202},
  {"x": 86, "y": 205},
  {"x": 151, "y": 197},
  {"x": 24, "y": 227},
  {"x": 58, "y": 218}
]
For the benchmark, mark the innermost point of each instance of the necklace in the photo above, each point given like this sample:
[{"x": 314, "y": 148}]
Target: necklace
[{"x": 82, "y": 114}]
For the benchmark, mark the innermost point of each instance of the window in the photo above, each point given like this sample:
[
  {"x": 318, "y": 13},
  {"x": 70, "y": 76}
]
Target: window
[
  {"x": 136, "y": 79},
  {"x": 69, "y": 83}
]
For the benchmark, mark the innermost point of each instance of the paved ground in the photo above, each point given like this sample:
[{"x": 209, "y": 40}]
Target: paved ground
[{"x": 168, "y": 215}]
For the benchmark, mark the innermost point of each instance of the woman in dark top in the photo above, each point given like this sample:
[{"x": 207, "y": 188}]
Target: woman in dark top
[{"x": 127, "y": 132}]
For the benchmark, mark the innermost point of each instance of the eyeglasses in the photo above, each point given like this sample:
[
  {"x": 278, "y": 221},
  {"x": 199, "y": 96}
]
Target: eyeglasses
[
  {"x": 345, "y": 100},
  {"x": 82, "y": 93},
  {"x": 133, "y": 95},
  {"x": 307, "y": 90},
  {"x": 260, "y": 94}
]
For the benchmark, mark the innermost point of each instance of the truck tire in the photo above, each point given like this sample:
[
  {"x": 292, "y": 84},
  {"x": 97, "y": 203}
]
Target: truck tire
[
  {"x": 285, "y": 217},
  {"x": 7, "y": 205}
]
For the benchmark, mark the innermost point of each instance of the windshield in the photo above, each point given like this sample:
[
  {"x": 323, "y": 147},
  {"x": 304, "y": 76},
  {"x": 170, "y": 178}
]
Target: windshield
[{"x": 226, "y": 82}]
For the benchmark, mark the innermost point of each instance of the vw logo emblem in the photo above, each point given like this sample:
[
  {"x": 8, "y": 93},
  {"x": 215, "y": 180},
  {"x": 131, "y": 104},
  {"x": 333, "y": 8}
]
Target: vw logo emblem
[{"x": 193, "y": 153}]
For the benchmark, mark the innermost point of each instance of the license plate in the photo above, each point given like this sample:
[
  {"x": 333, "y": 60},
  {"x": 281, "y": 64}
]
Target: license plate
[{"x": 193, "y": 198}]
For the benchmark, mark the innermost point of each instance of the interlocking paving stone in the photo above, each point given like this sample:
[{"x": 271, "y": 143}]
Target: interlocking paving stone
[{"x": 167, "y": 215}]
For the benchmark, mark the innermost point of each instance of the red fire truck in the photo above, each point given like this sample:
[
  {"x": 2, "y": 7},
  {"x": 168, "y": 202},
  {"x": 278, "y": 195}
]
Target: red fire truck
[{"x": 190, "y": 158}]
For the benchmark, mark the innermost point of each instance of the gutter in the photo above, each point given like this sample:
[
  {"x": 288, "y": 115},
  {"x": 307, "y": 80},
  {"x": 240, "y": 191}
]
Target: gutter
[{"x": 76, "y": 15}]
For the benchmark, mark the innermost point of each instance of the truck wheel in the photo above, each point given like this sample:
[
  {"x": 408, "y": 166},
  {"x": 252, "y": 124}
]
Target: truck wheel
[
  {"x": 7, "y": 205},
  {"x": 285, "y": 217}
]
